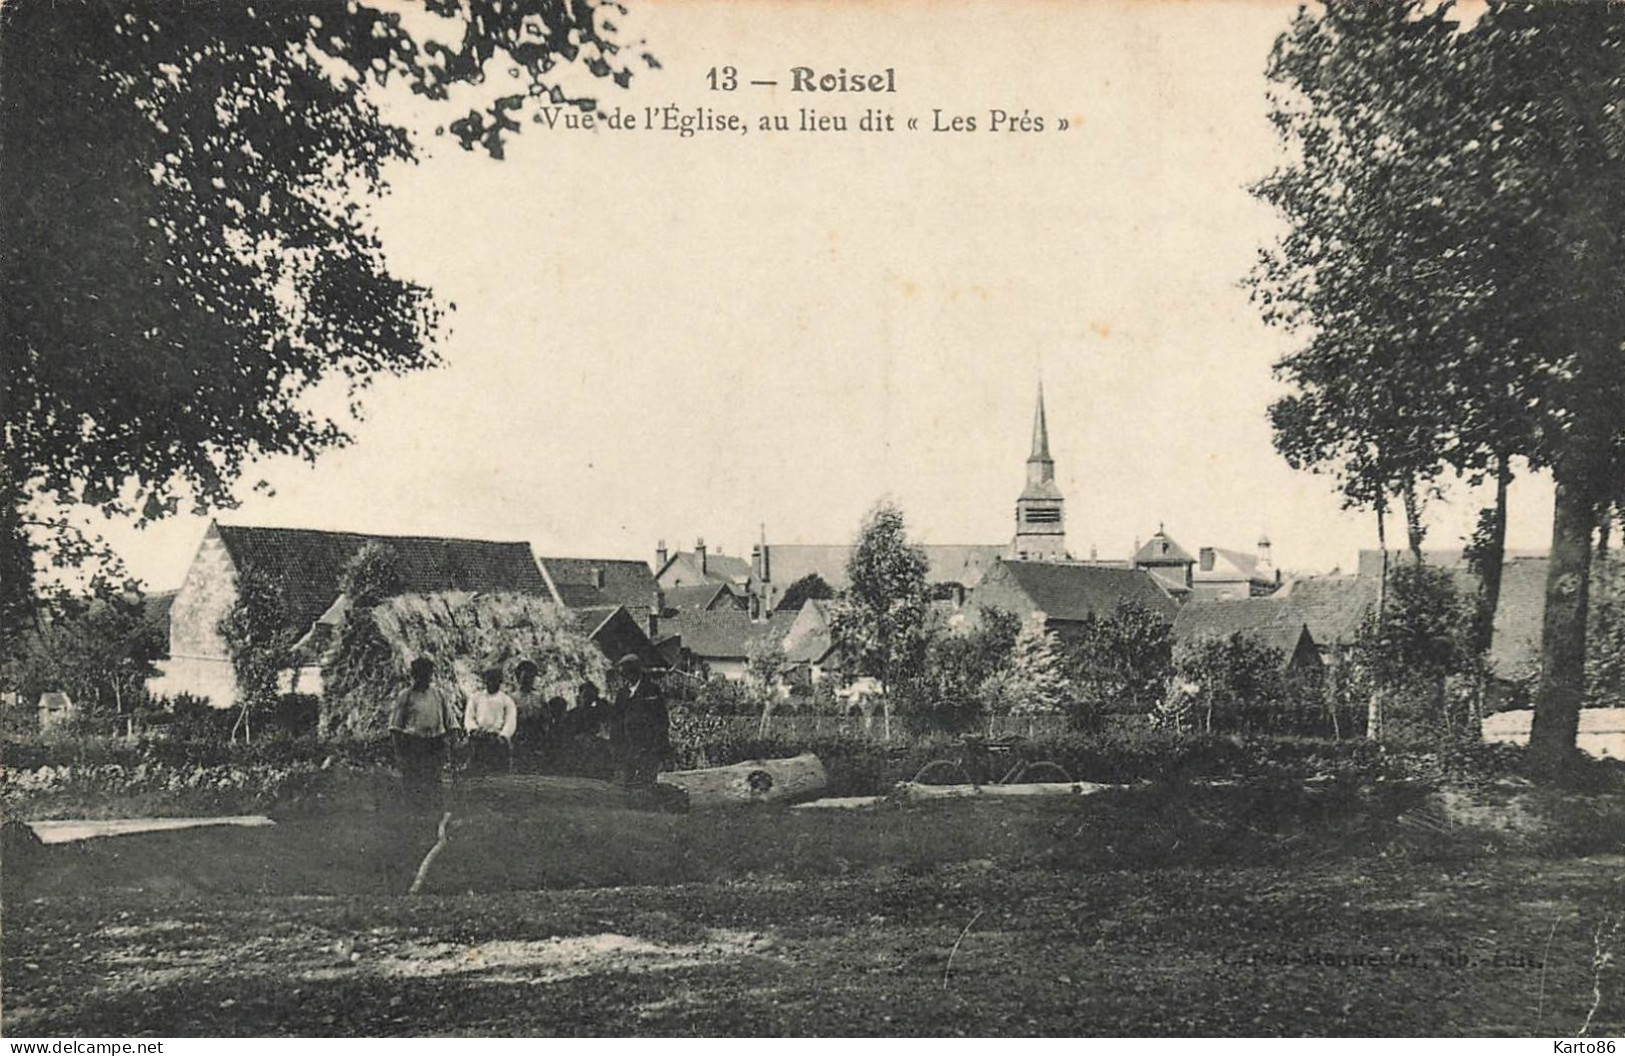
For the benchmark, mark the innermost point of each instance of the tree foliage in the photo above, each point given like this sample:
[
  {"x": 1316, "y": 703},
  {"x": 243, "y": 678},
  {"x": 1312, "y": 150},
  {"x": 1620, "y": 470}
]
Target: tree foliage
[
  {"x": 1119, "y": 662},
  {"x": 810, "y": 587},
  {"x": 100, "y": 654},
  {"x": 1454, "y": 259},
  {"x": 373, "y": 574},
  {"x": 881, "y": 625},
  {"x": 1227, "y": 677},
  {"x": 1605, "y": 644},
  {"x": 1032, "y": 681},
  {"x": 259, "y": 635},
  {"x": 1416, "y": 652},
  {"x": 189, "y": 252}
]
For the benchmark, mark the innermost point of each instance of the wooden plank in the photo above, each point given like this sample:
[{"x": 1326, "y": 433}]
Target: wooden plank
[{"x": 67, "y": 831}]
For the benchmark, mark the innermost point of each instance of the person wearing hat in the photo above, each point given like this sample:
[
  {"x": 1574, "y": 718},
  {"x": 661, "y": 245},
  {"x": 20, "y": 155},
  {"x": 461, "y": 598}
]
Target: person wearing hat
[
  {"x": 640, "y": 732},
  {"x": 421, "y": 721},
  {"x": 490, "y": 721}
]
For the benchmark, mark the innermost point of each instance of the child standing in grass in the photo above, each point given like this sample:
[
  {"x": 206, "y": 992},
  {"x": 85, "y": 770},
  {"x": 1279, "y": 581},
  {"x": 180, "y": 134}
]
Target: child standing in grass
[{"x": 421, "y": 722}]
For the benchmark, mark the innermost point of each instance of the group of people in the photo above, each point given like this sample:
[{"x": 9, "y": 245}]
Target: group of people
[{"x": 626, "y": 737}]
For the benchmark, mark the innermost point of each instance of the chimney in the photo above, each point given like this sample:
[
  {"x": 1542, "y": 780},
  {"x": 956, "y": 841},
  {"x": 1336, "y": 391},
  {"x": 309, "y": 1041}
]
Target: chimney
[
  {"x": 699, "y": 553},
  {"x": 1266, "y": 561},
  {"x": 1206, "y": 554},
  {"x": 660, "y": 556}
]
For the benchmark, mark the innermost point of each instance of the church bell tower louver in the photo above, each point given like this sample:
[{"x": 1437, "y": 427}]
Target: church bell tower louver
[{"x": 1040, "y": 511}]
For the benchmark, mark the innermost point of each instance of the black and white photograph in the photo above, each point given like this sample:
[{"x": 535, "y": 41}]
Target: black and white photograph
[{"x": 811, "y": 519}]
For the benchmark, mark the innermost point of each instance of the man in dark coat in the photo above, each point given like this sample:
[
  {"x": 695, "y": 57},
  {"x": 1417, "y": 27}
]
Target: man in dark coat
[{"x": 640, "y": 730}]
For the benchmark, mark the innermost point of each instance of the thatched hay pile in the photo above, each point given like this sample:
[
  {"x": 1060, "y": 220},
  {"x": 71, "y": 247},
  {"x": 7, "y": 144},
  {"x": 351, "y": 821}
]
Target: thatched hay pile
[{"x": 464, "y": 634}]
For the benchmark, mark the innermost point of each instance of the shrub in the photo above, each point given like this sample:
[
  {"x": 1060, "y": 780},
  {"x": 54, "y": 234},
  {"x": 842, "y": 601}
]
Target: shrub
[
  {"x": 1118, "y": 663},
  {"x": 1410, "y": 652},
  {"x": 721, "y": 696}
]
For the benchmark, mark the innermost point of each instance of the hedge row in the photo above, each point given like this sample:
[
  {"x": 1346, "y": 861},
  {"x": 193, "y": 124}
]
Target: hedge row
[{"x": 110, "y": 775}]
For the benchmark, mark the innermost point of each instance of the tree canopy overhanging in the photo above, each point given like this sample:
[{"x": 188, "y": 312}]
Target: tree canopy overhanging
[
  {"x": 186, "y": 251},
  {"x": 1454, "y": 261}
]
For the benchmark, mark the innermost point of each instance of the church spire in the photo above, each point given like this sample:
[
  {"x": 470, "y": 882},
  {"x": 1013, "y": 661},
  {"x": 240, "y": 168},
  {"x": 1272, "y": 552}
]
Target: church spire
[
  {"x": 1040, "y": 517},
  {"x": 1040, "y": 430}
]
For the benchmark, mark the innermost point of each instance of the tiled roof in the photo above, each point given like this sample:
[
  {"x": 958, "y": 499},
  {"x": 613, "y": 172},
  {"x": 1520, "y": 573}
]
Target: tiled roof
[
  {"x": 1370, "y": 564},
  {"x": 702, "y": 596},
  {"x": 719, "y": 568},
  {"x": 964, "y": 564},
  {"x": 726, "y": 634},
  {"x": 1273, "y": 621},
  {"x": 790, "y": 562},
  {"x": 1161, "y": 549},
  {"x": 808, "y": 639},
  {"x": 616, "y": 632},
  {"x": 1240, "y": 561},
  {"x": 1520, "y": 611},
  {"x": 1073, "y": 592},
  {"x": 590, "y": 619},
  {"x": 308, "y": 564},
  {"x": 626, "y": 582},
  {"x": 1334, "y": 607}
]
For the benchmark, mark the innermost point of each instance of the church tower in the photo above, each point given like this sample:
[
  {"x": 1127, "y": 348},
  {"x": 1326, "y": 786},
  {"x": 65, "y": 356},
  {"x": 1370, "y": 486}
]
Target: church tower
[{"x": 1040, "y": 515}]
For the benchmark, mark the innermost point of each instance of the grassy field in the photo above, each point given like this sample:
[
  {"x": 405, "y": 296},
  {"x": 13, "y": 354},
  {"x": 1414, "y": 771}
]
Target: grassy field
[{"x": 1166, "y": 911}]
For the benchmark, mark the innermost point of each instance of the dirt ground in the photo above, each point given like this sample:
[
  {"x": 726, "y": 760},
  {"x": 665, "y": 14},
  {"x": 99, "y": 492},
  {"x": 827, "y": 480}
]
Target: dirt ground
[{"x": 1035, "y": 918}]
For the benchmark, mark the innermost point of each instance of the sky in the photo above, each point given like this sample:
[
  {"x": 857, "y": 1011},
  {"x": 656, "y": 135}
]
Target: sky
[{"x": 658, "y": 337}]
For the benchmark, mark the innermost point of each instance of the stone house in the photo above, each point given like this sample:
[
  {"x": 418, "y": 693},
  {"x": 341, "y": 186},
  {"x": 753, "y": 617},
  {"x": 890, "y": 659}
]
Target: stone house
[
  {"x": 699, "y": 567},
  {"x": 1233, "y": 574},
  {"x": 724, "y": 640},
  {"x": 308, "y": 565},
  {"x": 1067, "y": 594}
]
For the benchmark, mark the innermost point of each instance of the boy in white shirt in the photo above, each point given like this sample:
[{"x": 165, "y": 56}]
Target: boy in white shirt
[{"x": 490, "y": 721}]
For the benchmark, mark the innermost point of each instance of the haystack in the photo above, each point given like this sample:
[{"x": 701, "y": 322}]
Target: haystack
[{"x": 465, "y": 635}]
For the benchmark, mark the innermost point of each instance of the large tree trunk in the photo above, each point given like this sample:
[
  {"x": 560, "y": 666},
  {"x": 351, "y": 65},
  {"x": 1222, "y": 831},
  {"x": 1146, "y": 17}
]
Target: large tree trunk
[{"x": 1563, "y": 638}]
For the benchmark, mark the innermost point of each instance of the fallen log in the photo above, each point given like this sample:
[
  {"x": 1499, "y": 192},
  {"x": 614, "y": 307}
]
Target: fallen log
[
  {"x": 841, "y": 803},
  {"x": 756, "y": 781},
  {"x": 909, "y": 790}
]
